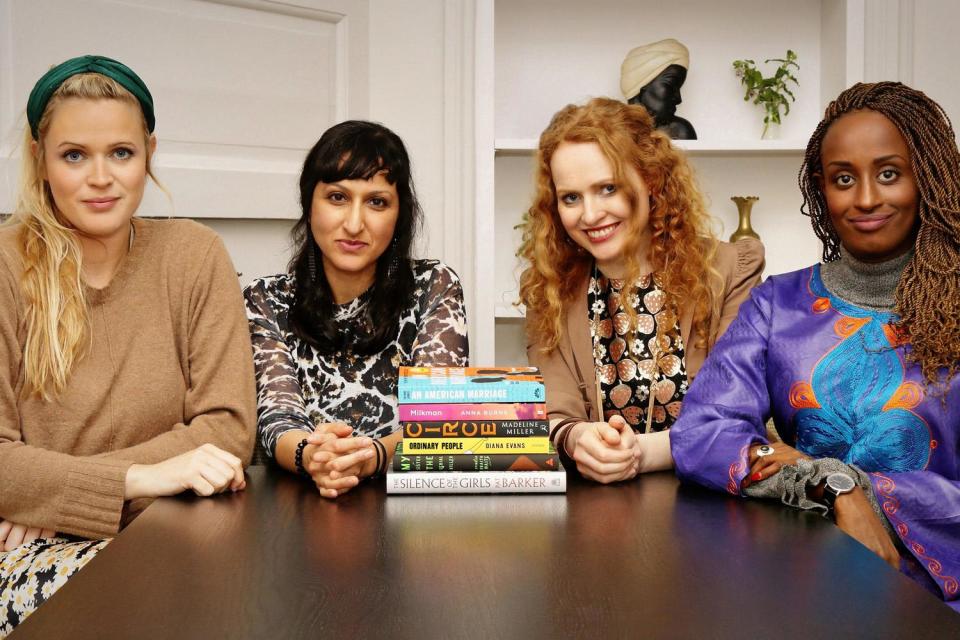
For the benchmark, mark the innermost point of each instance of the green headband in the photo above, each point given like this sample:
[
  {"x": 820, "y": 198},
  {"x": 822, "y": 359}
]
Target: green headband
[{"x": 108, "y": 67}]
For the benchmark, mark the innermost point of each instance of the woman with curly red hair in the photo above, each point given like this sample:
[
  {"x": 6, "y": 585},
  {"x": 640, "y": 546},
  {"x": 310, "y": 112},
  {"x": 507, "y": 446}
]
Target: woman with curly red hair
[{"x": 627, "y": 289}]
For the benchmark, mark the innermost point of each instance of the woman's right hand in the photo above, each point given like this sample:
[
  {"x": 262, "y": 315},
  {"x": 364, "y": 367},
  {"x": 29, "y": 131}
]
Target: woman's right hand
[
  {"x": 856, "y": 518},
  {"x": 12, "y": 535},
  {"x": 205, "y": 470},
  {"x": 604, "y": 451}
]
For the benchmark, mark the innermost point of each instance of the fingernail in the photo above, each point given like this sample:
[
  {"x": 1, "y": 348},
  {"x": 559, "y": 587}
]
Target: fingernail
[{"x": 756, "y": 476}]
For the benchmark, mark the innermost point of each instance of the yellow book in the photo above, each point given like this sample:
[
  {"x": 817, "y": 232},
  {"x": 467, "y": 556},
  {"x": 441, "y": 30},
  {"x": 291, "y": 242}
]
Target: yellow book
[{"x": 476, "y": 445}]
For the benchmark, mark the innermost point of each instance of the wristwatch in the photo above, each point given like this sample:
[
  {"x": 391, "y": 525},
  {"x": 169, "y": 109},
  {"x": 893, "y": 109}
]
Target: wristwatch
[{"x": 836, "y": 485}]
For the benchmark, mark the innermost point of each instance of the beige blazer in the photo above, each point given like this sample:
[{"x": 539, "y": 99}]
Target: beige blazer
[{"x": 569, "y": 372}]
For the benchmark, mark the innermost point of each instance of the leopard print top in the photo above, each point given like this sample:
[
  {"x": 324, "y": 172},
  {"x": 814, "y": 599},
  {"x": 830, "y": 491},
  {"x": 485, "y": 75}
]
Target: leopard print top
[{"x": 297, "y": 387}]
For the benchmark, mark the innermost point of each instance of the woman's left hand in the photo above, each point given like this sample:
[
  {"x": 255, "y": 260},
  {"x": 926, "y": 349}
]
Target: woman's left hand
[
  {"x": 12, "y": 535},
  {"x": 762, "y": 467}
]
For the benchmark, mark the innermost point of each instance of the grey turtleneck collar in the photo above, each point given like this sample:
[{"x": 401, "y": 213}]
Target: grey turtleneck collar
[{"x": 869, "y": 285}]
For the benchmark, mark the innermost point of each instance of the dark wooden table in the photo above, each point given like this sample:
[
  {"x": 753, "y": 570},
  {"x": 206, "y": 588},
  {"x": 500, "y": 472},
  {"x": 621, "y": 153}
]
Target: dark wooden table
[{"x": 645, "y": 559}]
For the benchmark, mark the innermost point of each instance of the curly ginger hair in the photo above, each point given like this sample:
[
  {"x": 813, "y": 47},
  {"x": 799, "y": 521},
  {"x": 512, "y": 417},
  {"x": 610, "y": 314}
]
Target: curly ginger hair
[{"x": 678, "y": 221}]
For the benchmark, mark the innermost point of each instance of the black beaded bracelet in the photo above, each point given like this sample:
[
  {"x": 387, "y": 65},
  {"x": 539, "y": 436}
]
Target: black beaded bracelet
[
  {"x": 382, "y": 461},
  {"x": 298, "y": 458},
  {"x": 376, "y": 467},
  {"x": 559, "y": 437}
]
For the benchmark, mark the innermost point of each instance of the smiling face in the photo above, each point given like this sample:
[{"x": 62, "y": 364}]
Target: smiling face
[
  {"x": 95, "y": 162},
  {"x": 593, "y": 208},
  {"x": 352, "y": 223},
  {"x": 869, "y": 186}
]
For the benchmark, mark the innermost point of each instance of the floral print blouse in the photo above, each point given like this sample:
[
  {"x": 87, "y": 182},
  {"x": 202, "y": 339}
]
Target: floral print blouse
[
  {"x": 298, "y": 388},
  {"x": 625, "y": 361}
]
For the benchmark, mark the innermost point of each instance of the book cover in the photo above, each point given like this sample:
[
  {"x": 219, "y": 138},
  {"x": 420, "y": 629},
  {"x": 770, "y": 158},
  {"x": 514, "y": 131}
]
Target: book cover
[
  {"x": 424, "y": 385},
  {"x": 477, "y": 482},
  {"x": 475, "y": 445},
  {"x": 472, "y": 411},
  {"x": 475, "y": 429},
  {"x": 403, "y": 463},
  {"x": 444, "y": 375}
]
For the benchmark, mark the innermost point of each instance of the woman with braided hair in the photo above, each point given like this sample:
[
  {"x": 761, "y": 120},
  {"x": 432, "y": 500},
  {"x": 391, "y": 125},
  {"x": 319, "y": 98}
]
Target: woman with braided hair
[{"x": 855, "y": 359}]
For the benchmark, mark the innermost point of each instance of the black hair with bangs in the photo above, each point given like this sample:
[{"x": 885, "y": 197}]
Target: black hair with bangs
[{"x": 354, "y": 150}]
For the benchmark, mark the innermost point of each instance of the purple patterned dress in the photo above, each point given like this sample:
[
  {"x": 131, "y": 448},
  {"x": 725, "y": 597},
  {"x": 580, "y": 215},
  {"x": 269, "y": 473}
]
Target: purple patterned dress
[{"x": 833, "y": 377}]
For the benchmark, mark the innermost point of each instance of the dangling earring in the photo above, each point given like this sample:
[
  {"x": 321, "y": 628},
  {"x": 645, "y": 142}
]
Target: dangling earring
[
  {"x": 394, "y": 261},
  {"x": 312, "y": 260}
]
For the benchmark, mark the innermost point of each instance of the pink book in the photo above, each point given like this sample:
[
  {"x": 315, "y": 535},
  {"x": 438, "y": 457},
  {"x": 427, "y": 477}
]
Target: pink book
[{"x": 498, "y": 411}]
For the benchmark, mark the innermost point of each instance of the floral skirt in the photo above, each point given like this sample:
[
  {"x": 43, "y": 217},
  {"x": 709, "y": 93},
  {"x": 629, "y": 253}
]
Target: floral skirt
[{"x": 32, "y": 572}]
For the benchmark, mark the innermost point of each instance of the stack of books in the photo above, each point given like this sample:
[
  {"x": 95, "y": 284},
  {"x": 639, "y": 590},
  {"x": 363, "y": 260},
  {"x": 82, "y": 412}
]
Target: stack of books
[{"x": 474, "y": 430}]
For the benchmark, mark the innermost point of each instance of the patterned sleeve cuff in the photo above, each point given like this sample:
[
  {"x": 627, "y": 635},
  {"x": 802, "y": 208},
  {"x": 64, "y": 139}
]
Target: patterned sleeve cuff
[
  {"x": 269, "y": 432},
  {"x": 790, "y": 486}
]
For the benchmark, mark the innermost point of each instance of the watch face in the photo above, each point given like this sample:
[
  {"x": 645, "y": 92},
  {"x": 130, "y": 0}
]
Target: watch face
[{"x": 840, "y": 482}]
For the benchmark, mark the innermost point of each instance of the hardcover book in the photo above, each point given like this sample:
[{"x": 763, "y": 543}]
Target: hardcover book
[
  {"x": 477, "y": 482},
  {"x": 475, "y": 445},
  {"x": 421, "y": 385},
  {"x": 484, "y": 411},
  {"x": 475, "y": 429},
  {"x": 403, "y": 463}
]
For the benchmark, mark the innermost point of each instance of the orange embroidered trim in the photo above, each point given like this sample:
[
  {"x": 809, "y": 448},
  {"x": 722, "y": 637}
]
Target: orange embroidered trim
[
  {"x": 907, "y": 396},
  {"x": 802, "y": 397},
  {"x": 891, "y": 505},
  {"x": 821, "y": 305},
  {"x": 895, "y": 337},
  {"x": 846, "y": 326},
  {"x": 733, "y": 473}
]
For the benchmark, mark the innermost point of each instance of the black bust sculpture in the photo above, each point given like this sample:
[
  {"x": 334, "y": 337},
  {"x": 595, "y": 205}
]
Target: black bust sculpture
[{"x": 652, "y": 75}]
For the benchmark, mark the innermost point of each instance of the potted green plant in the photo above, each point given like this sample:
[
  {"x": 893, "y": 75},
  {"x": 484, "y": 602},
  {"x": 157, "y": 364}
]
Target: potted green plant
[{"x": 772, "y": 92}]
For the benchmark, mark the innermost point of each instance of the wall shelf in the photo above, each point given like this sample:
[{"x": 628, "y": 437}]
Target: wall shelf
[
  {"x": 576, "y": 53},
  {"x": 528, "y": 146}
]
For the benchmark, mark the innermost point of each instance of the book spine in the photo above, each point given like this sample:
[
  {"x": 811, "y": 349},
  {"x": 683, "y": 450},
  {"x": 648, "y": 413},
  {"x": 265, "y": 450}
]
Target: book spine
[
  {"x": 475, "y": 462},
  {"x": 477, "y": 482},
  {"x": 442, "y": 374},
  {"x": 446, "y": 412},
  {"x": 470, "y": 392},
  {"x": 474, "y": 429},
  {"x": 476, "y": 445}
]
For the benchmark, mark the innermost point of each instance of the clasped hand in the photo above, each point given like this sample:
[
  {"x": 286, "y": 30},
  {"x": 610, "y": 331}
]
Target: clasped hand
[
  {"x": 605, "y": 451},
  {"x": 336, "y": 460}
]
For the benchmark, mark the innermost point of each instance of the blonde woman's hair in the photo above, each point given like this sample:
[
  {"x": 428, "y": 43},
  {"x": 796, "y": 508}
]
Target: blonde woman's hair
[
  {"x": 56, "y": 311},
  {"x": 678, "y": 223}
]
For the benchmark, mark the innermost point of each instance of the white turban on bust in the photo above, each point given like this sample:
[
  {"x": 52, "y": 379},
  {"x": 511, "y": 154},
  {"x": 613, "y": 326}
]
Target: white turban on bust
[{"x": 645, "y": 63}]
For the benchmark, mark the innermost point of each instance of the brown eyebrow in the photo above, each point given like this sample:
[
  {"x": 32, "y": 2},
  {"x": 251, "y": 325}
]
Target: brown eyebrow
[
  {"x": 121, "y": 143},
  {"x": 341, "y": 187},
  {"x": 880, "y": 160},
  {"x": 598, "y": 183}
]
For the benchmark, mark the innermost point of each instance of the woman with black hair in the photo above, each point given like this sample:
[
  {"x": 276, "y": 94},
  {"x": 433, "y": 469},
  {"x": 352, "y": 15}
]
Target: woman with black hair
[{"x": 329, "y": 336}]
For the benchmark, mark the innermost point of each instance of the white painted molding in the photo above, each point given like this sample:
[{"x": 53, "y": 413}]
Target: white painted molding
[
  {"x": 528, "y": 146},
  {"x": 483, "y": 315},
  {"x": 905, "y": 43}
]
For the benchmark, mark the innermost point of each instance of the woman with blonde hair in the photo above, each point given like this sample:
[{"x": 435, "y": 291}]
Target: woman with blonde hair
[
  {"x": 627, "y": 290},
  {"x": 125, "y": 364}
]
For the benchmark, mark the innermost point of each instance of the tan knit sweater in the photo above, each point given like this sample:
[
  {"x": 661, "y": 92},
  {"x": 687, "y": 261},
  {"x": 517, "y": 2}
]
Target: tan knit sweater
[{"x": 169, "y": 369}]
